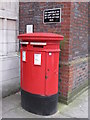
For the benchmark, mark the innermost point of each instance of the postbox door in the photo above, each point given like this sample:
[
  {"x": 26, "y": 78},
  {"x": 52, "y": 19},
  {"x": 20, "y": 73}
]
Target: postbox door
[
  {"x": 33, "y": 76},
  {"x": 52, "y": 63}
]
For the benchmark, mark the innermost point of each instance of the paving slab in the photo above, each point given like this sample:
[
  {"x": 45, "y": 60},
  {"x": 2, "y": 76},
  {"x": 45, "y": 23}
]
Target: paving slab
[
  {"x": 11, "y": 102},
  {"x": 77, "y": 109}
]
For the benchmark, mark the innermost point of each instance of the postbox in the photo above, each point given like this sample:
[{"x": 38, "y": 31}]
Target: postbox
[{"x": 39, "y": 72}]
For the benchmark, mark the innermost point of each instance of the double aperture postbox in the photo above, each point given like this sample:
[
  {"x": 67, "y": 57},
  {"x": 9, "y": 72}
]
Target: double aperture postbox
[{"x": 39, "y": 72}]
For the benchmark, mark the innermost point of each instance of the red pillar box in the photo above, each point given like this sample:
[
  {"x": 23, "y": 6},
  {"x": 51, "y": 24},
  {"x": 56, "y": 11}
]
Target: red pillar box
[{"x": 39, "y": 72}]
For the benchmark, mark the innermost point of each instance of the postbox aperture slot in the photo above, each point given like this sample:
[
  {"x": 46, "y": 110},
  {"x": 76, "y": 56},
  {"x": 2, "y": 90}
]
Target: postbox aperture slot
[
  {"x": 24, "y": 45},
  {"x": 37, "y": 46}
]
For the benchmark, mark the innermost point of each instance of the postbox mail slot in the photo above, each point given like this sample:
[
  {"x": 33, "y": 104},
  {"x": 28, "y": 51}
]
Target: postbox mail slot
[{"x": 37, "y": 43}]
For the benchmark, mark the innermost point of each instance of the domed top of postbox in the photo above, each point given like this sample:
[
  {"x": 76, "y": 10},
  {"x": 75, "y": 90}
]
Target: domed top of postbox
[{"x": 40, "y": 37}]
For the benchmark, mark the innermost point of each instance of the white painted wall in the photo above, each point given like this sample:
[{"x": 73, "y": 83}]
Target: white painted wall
[{"x": 9, "y": 46}]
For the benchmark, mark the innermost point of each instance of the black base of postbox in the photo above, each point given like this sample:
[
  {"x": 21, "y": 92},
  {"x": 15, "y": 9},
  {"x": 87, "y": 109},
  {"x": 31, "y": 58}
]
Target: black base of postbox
[{"x": 42, "y": 105}]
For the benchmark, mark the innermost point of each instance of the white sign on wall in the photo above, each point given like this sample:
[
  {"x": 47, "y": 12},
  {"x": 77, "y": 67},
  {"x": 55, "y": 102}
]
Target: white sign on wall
[
  {"x": 52, "y": 15},
  {"x": 37, "y": 59},
  {"x": 29, "y": 28}
]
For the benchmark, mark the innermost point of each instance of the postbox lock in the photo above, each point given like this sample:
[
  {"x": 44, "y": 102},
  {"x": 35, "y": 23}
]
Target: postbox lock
[{"x": 46, "y": 76}]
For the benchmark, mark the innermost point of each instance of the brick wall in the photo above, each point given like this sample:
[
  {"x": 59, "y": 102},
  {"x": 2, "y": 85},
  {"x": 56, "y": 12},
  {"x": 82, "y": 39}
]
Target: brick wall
[
  {"x": 77, "y": 65},
  {"x": 74, "y": 47},
  {"x": 79, "y": 45},
  {"x": 79, "y": 31}
]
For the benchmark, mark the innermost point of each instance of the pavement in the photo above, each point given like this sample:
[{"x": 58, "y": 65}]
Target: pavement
[{"x": 11, "y": 108}]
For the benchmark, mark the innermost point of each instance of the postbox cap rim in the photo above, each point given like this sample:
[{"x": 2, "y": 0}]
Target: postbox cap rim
[{"x": 40, "y": 36}]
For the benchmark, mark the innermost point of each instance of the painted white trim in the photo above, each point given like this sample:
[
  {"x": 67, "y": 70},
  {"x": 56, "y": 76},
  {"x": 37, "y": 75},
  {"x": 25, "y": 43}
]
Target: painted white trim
[
  {"x": 24, "y": 43},
  {"x": 37, "y": 43}
]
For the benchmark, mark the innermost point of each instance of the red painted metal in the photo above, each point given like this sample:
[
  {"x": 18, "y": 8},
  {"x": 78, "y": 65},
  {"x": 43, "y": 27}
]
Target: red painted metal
[
  {"x": 40, "y": 79},
  {"x": 40, "y": 37}
]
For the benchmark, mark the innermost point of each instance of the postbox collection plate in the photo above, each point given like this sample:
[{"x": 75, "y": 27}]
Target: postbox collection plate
[
  {"x": 24, "y": 56},
  {"x": 37, "y": 59}
]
